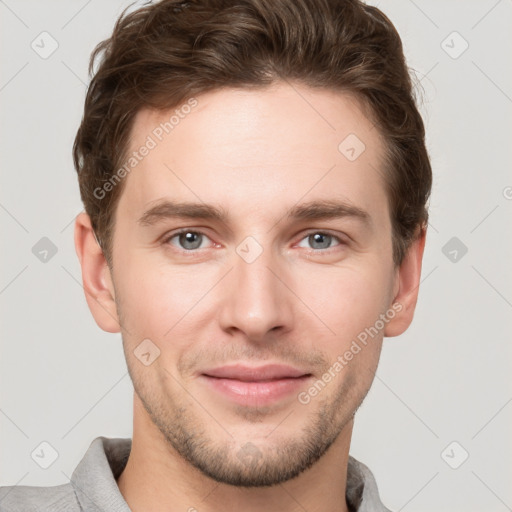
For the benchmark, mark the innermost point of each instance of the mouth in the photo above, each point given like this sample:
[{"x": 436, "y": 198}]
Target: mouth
[{"x": 255, "y": 386}]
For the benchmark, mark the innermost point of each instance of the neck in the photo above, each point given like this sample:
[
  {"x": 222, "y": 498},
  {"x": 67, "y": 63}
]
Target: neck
[{"x": 156, "y": 477}]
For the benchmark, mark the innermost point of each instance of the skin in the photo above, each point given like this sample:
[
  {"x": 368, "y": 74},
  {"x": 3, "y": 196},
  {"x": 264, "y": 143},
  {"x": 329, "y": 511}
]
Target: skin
[{"x": 256, "y": 153}]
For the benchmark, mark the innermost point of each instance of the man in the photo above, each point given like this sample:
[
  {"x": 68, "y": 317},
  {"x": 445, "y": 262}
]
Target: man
[{"x": 255, "y": 180}]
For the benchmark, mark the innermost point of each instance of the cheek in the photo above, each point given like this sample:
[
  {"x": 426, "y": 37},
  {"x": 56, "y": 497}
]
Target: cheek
[
  {"x": 347, "y": 299},
  {"x": 156, "y": 299}
]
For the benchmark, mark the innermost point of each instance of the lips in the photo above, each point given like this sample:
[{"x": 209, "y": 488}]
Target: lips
[{"x": 255, "y": 386}]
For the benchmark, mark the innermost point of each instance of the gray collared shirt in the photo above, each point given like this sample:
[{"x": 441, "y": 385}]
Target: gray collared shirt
[{"x": 93, "y": 486}]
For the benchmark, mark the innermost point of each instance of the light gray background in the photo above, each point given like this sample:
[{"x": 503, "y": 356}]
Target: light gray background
[{"x": 64, "y": 381}]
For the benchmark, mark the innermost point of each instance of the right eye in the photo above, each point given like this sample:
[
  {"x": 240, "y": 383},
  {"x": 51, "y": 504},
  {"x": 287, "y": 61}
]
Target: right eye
[{"x": 189, "y": 239}]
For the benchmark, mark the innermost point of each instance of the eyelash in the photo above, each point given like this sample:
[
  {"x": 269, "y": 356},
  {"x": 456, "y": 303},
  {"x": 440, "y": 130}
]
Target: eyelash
[{"x": 193, "y": 252}]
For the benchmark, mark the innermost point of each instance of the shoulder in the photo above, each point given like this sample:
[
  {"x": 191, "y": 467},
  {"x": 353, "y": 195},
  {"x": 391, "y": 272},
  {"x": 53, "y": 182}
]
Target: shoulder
[
  {"x": 25, "y": 498},
  {"x": 93, "y": 481}
]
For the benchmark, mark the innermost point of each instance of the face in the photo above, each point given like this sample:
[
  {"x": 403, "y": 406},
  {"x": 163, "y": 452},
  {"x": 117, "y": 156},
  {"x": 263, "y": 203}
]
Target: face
[{"x": 247, "y": 302}]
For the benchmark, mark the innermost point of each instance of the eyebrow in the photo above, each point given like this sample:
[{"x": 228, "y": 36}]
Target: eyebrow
[{"x": 314, "y": 210}]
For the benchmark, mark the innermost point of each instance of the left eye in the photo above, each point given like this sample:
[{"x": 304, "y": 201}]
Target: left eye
[
  {"x": 192, "y": 240},
  {"x": 322, "y": 239}
]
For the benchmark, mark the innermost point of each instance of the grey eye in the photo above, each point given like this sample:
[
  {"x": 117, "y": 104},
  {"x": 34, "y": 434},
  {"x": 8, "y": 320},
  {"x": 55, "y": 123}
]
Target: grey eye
[
  {"x": 320, "y": 240},
  {"x": 190, "y": 240},
  {"x": 323, "y": 240}
]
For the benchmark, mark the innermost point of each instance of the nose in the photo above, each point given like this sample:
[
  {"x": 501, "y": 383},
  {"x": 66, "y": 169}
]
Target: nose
[{"x": 256, "y": 298}]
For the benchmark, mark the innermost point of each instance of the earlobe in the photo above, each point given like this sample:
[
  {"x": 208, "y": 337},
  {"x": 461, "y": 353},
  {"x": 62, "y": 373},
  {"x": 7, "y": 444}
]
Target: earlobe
[
  {"x": 408, "y": 282},
  {"x": 96, "y": 278}
]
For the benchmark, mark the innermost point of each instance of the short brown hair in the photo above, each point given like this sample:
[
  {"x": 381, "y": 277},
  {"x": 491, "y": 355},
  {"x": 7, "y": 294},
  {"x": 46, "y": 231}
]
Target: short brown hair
[{"x": 162, "y": 54}]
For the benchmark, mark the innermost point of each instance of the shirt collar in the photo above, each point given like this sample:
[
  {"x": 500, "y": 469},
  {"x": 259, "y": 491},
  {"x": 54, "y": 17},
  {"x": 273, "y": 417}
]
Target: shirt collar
[{"x": 94, "y": 479}]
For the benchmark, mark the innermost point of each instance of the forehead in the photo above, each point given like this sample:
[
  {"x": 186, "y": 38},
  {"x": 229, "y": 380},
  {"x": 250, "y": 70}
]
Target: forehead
[{"x": 256, "y": 150}]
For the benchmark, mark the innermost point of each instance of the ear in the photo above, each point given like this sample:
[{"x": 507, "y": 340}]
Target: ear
[
  {"x": 96, "y": 277},
  {"x": 406, "y": 286}
]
